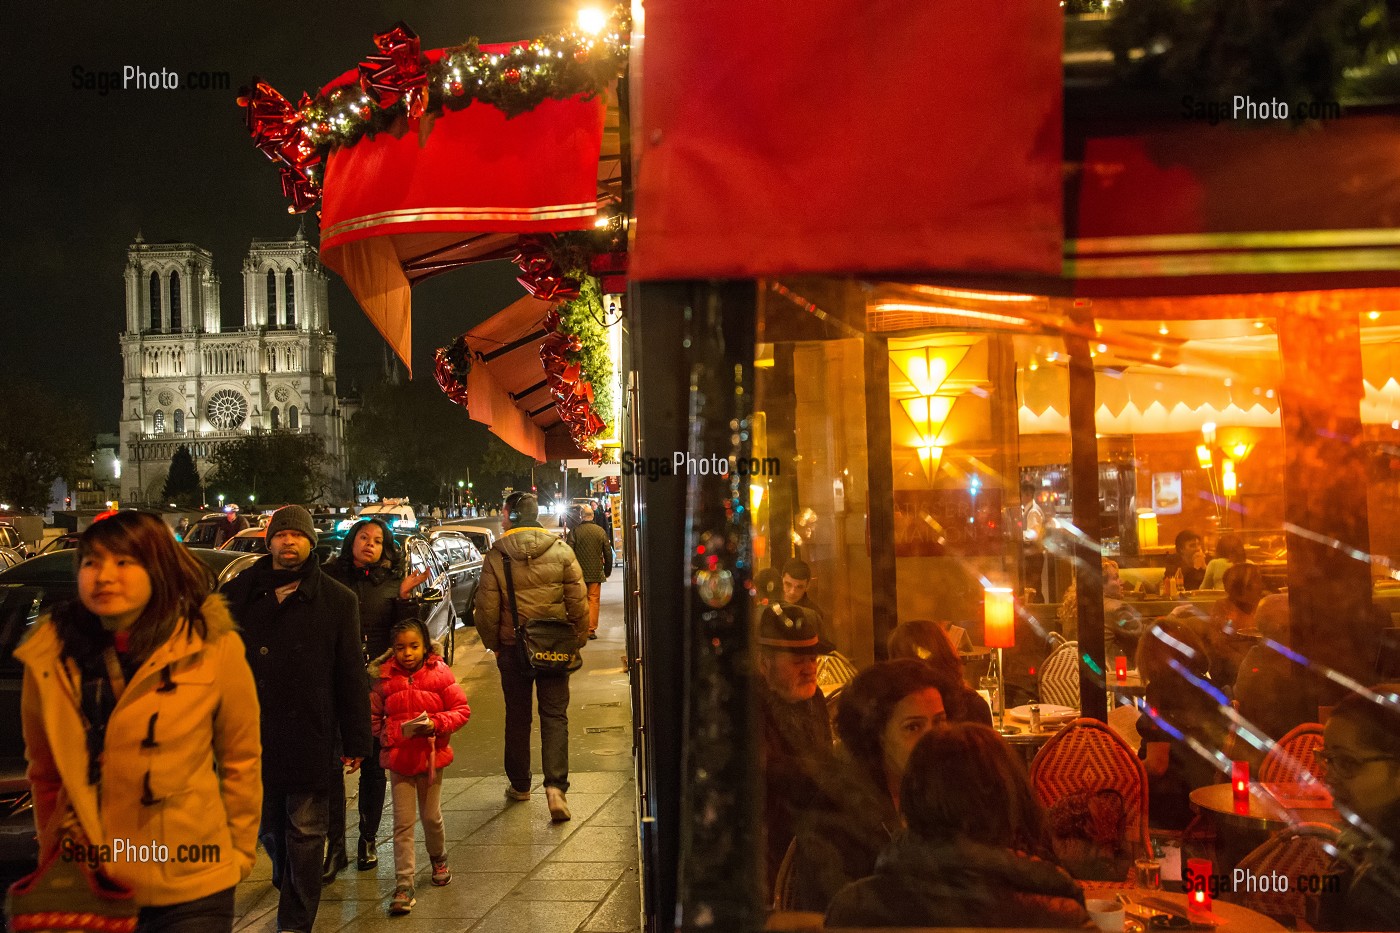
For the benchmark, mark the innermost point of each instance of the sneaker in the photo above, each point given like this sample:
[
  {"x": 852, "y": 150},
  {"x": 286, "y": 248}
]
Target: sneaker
[
  {"x": 402, "y": 901},
  {"x": 558, "y": 805},
  {"x": 513, "y": 794},
  {"x": 441, "y": 873}
]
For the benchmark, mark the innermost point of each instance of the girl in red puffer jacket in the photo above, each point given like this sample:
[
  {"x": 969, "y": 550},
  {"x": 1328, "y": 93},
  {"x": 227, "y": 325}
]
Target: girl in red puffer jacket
[{"x": 415, "y": 705}]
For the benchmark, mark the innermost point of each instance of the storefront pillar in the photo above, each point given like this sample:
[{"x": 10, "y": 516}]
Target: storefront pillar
[
  {"x": 1086, "y": 549},
  {"x": 1325, "y": 503},
  {"x": 696, "y": 343},
  {"x": 884, "y": 589}
]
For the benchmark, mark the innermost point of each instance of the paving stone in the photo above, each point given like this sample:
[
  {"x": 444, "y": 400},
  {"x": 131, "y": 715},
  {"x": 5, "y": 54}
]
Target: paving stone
[
  {"x": 598, "y": 844},
  {"x": 621, "y": 911},
  {"x": 555, "y": 889},
  {"x": 469, "y": 896},
  {"x": 582, "y": 871},
  {"x": 496, "y": 857},
  {"x": 535, "y": 917},
  {"x": 599, "y": 782},
  {"x": 458, "y": 824},
  {"x": 381, "y": 922},
  {"x": 620, "y": 810}
]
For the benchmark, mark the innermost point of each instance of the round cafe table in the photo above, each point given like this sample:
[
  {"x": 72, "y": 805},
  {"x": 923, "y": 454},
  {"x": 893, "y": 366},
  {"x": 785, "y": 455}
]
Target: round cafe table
[
  {"x": 1271, "y": 807},
  {"x": 1227, "y": 916}
]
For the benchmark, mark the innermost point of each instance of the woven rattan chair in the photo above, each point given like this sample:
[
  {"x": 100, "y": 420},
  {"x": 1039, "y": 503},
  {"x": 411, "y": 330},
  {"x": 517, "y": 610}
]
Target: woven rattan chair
[
  {"x": 1304, "y": 849},
  {"x": 1088, "y": 756},
  {"x": 1293, "y": 758},
  {"x": 1059, "y": 676}
]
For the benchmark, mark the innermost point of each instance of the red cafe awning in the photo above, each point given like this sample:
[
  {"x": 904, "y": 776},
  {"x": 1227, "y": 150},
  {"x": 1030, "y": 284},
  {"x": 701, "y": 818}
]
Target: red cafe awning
[
  {"x": 506, "y": 388},
  {"x": 847, "y": 138},
  {"x": 397, "y": 209}
]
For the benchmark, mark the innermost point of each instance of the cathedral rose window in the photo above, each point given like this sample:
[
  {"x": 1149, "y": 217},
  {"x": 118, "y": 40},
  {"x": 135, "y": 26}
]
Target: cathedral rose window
[{"x": 226, "y": 409}]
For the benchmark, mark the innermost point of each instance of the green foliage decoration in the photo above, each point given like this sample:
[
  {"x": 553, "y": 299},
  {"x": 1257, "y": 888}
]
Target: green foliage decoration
[{"x": 182, "y": 481}]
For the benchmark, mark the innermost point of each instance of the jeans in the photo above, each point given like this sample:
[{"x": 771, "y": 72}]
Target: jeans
[
  {"x": 519, "y": 686},
  {"x": 211, "y": 914},
  {"x": 372, "y": 785},
  {"x": 595, "y": 598},
  {"x": 419, "y": 794},
  {"x": 293, "y": 833}
]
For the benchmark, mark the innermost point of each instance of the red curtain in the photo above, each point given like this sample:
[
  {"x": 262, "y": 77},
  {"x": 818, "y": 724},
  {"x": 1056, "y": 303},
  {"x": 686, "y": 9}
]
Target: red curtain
[{"x": 848, "y": 137}]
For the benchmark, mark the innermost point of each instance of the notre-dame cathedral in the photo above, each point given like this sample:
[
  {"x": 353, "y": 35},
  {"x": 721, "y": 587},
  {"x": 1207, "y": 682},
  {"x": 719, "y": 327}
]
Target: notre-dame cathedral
[{"x": 187, "y": 378}]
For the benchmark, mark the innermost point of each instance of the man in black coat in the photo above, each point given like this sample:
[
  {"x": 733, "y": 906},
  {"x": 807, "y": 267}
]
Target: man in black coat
[{"x": 302, "y": 632}]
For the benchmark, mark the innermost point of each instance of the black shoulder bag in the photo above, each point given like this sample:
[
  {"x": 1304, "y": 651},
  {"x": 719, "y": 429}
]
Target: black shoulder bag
[{"x": 547, "y": 646}]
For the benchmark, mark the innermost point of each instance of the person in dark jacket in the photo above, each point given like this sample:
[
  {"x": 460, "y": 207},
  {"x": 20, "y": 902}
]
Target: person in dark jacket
[
  {"x": 593, "y": 548},
  {"x": 976, "y": 852},
  {"x": 302, "y": 632},
  {"x": 793, "y": 722},
  {"x": 1362, "y": 753},
  {"x": 371, "y": 565}
]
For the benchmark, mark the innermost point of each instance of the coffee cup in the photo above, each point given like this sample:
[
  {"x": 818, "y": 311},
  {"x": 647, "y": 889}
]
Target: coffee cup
[{"x": 1107, "y": 915}]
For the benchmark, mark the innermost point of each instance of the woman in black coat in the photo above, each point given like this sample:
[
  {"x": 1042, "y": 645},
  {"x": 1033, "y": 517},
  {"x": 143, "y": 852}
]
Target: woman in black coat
[
  {"x": 372, "y": 566},
  {"x": 976, "y": 853}
]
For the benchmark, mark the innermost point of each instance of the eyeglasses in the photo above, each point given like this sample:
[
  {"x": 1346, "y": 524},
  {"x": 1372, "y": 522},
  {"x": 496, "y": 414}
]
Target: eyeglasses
[{"x": 1345, "y": 766}]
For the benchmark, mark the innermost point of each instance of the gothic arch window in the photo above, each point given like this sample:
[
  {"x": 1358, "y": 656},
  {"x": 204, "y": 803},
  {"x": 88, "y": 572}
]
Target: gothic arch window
[
  {"x": 155, "y": 301},
  {"x": 276, "y": 419},
  {"x": 175, "y": 302},
  {"x": 179, "y": 421},
  {"x": 293, "y": 419},
  {"x": 271, "y": 298},
  {"x": 291, "y": 291},
  {"x": 159, "y": 423}
]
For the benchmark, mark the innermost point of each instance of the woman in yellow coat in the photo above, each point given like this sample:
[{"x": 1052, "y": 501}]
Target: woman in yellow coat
[{"x": 141, "y": 718}]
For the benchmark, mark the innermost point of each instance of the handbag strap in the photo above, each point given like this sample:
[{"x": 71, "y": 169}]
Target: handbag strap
[{"x": 510, "y": 589}]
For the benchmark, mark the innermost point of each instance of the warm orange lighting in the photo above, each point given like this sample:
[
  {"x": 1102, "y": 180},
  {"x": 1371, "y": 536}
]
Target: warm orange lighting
[
  {"x": 999, "y": 617},
  {"x": 930, "y": 458},
  {"x": 1146, "y": 528},
  {"x": 1228, "y": 482},
  {"x": 1203, "y": 456}
]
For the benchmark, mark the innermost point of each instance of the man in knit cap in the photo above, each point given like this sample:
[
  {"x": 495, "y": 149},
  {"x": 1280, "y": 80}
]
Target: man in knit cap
[{"x": 302, "y": 632}]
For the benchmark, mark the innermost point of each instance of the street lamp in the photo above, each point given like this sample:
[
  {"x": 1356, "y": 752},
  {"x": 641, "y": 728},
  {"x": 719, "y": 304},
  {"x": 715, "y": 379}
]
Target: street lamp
[{"x": 221, "y": 502}]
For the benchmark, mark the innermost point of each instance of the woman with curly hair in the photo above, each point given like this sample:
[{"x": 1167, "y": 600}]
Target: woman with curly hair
[
  {"x": 141, "y": 723},
  {"x": 976, "y": 852},
  {"x": 882, "y": 713}
]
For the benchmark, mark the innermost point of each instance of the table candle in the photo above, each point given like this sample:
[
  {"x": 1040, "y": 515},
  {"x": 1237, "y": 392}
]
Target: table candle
[
  {"x": 1120, "y": 666},
  {"x": 1198, "y": 878},
  {"x": 1239, "y": 782}
]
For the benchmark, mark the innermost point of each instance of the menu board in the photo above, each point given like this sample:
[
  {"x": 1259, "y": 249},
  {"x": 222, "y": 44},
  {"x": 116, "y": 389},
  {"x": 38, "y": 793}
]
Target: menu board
[{"x": 1166, "y": 493}]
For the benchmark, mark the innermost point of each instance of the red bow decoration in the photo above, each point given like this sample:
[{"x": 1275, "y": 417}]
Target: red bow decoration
[
  {"x": 397, "y": 72},
  {"x": 453, "y": 365},
  {"x": 277, "y": 130},
  {"x": 540, "y": 276},
  {"x": 572, "y": 394}
]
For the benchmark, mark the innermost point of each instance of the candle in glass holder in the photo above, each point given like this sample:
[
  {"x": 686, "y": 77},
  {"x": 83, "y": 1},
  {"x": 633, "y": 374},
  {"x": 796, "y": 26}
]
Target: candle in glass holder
[
  {"x": 1120, "y": 667},
  {"x": 1198, "y": 877},
  {"x": 1239, "y": 784}
]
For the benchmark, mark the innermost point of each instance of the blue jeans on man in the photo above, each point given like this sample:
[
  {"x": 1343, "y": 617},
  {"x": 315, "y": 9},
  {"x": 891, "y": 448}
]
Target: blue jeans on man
[{"x": 293, "y": 833}]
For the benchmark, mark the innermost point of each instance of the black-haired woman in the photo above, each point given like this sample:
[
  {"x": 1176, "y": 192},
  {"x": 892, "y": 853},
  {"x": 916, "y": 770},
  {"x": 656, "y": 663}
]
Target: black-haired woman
[
  {"x": 141, "y": 724},
  {"x": 976, "y": 853},
  {"x": 372, "y": 566}
]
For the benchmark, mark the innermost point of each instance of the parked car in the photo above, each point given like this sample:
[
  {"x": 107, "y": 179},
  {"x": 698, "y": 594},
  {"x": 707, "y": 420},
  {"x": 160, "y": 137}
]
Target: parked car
[
  {"x": 247, "y": 541},
  {"x": 203, "y": 532},
  {"x": 10, "y": 538},
  {"x": 398, "y": 514},
  {"x": 26, "y": 591},
  {"x": 483, "y": 531},
  {"x": 9, "y": 557},
  {"x": 64, "y": 542},
  {"x": 463, "y": 561}
]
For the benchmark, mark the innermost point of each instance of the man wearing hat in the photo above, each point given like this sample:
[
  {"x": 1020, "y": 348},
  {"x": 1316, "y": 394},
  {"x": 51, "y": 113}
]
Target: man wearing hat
[
  {"x": 794, "y": 726},
  {"x": 548, "y": 584},
  {"x": 302, "y": 632}
]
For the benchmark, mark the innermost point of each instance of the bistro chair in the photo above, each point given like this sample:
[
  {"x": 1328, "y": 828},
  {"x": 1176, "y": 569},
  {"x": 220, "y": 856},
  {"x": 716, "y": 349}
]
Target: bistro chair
[
  {"x": 1087, "y": 757},
  {"x": 1302, "y": 850},
  {"x": 1059, "y": 676},
  {"x": 1293, "y": 758}
]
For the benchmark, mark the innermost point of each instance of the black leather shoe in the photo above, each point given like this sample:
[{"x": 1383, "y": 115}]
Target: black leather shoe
[
  {"x": 366, "y": 858},
  {"x": 335, "y": 861}
]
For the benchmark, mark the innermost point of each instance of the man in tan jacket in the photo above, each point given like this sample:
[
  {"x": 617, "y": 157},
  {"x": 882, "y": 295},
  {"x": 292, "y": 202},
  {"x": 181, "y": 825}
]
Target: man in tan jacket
[{"x": 548, "y": 585}]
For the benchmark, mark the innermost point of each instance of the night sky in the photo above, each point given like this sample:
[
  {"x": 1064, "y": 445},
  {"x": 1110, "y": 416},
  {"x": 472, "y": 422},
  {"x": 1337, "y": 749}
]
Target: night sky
[{"x": 83, "y": 172}]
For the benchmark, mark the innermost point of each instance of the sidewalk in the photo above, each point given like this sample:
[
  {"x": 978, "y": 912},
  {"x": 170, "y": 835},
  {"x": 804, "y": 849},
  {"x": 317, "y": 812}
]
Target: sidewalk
[{"x": 513, "y": 871}]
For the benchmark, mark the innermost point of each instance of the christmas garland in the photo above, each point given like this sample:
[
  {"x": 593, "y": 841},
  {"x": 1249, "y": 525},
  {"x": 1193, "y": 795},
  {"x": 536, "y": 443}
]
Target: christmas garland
[{"x": 399, "y": 82}]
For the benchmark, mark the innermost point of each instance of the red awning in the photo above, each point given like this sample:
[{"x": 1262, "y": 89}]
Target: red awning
[
  {"x": 397, "y": 209},
  {"x": 848, "y": 138},
  {"x": 506, "y": 389}
]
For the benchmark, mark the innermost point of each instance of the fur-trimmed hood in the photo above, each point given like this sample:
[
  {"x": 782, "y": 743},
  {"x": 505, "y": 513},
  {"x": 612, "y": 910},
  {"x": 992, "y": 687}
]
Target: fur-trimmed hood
[{"x": 435, "y": 650}]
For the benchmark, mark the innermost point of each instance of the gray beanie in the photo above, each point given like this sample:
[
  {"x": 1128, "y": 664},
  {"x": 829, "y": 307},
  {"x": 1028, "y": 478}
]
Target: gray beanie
[{"x": 291, "y": 518}]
